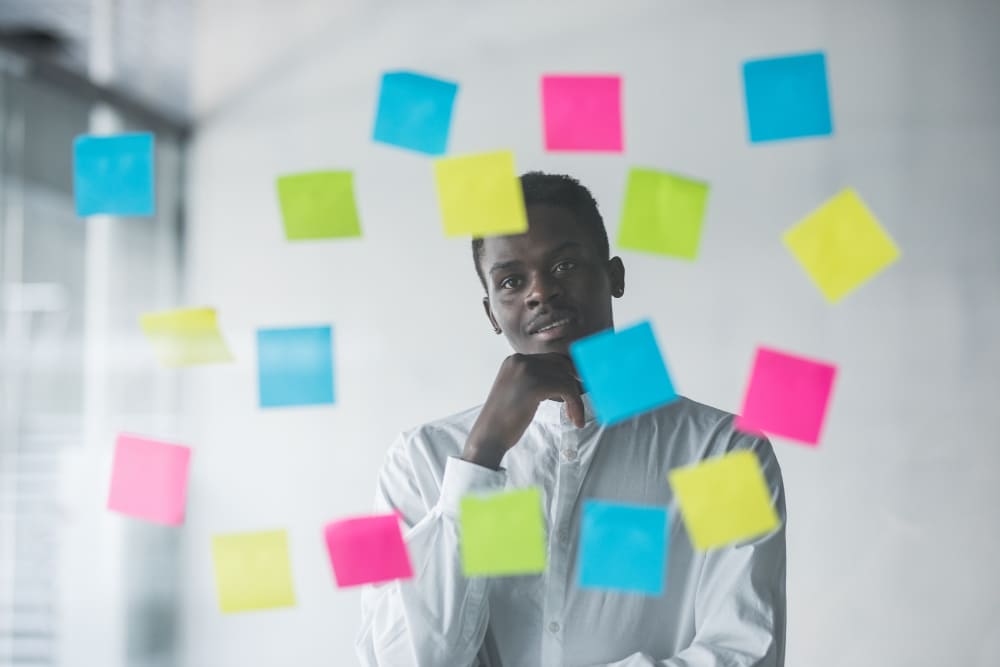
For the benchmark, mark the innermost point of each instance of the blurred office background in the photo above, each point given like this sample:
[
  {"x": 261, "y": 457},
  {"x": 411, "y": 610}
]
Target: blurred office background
[{"x": 892, "y": 528}]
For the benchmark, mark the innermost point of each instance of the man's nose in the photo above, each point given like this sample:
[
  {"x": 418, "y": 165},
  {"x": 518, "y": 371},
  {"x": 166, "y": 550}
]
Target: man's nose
[{"x": 544, "y": 288}]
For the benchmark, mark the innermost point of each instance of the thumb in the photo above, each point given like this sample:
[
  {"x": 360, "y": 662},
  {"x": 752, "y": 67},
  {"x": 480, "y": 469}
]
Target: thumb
[{"x": 574, "y": 409}]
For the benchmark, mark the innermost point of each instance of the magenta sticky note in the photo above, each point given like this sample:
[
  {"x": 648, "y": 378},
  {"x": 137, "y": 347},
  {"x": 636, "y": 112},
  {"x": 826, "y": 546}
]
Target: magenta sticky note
[
  {"x": 787, "y": 396},
  {"x": 149, "y": 479},
  {"x": 367, "y": 550},
  {"x": 582, "y": 113}
]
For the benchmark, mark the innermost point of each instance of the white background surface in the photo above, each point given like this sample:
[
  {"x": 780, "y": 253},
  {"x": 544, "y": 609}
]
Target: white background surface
[{"x": 892, "y": 529}]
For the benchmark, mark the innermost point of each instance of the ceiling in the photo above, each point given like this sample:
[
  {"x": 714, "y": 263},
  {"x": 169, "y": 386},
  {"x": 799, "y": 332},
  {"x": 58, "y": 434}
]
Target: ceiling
[
  {"x": 183, "y": 58},
  {"x": 152, "y": 44}
]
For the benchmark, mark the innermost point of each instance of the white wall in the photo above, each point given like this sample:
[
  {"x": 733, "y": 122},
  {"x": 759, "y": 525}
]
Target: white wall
[{"x": 892, "y": 532}]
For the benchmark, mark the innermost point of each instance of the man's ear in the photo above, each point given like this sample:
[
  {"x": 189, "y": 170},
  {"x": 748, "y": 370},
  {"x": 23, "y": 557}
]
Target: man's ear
[
  {"x": 616, "y": 272},
  {"x": 489, "y": 314}
]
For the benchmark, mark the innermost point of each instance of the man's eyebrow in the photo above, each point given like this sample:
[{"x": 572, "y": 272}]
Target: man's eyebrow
[
  {"x": 500, "y": 266},
  {"x": 564, "y": 246}
]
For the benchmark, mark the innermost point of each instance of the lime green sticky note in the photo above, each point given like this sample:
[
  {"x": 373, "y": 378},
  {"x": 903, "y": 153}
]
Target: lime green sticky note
[
  {"x": 724, "y": 500},
  {"x": 663, "y": 213},
  {"x": 480, "y": 195},
  {"x": 185, "y": 337},
  {"x": 841, "y": 245},
  {"x": 503, "y": 533},
  {"x": 318, "y": 205},
  {"x": 252, "y": 571}
]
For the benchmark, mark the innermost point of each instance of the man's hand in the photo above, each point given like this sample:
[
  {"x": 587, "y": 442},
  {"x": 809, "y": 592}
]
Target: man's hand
[{"x": 524, "y": 381}]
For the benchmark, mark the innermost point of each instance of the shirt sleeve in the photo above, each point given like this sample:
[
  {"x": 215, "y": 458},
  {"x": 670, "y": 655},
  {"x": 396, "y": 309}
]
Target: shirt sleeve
[
  {"x": 740, "y": 601},
  {"x": 439, "y": 617}
]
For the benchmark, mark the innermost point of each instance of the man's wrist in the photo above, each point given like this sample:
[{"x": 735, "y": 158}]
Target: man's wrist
[{"x": 487, "y": 457}]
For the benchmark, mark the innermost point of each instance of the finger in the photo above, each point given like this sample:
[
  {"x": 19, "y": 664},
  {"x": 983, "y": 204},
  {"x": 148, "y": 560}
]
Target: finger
[{"x": 574, "y": 408}]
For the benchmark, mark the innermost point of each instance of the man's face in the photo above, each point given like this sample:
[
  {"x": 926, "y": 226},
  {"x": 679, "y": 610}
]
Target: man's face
[{"x": 550, "y": 286}]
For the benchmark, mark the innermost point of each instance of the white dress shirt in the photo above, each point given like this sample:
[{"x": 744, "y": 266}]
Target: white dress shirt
[{"x": 721, "y": 608}]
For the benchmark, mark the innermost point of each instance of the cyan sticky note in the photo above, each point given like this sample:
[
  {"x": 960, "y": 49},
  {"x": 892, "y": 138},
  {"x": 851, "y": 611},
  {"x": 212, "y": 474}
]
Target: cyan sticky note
[
  {"x": 414, "y": 111},
  {"x": 787, "y": 97},
  {"x": 623, "y": 547},
  {"x": 295, "y": 366},
  {"x": 114, "y": 175},
  {"x": 623, "y": 371}
]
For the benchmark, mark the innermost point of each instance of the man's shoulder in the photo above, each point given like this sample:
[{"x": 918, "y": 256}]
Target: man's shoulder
[
  {"x": 694, "y": 414},
  {"x": 441, "y": 437},
  {"x": 708, "y": 431}
]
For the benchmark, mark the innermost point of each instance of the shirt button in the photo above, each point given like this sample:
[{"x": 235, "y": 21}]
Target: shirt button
[
  {"x": 553, "y": 627},
  {"x": 569, "y": 454},
  {"x": 563, "y": 535}
]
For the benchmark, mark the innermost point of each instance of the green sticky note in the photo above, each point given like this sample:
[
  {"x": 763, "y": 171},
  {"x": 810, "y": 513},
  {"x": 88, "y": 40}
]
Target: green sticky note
[
  {"x": 503, "y": 534},
  {"x": 318, "y": 205},
  {"x": 252, "y": 571},
  {"x": 663, "y": 213},
  {"x": 480, "y": 195}
]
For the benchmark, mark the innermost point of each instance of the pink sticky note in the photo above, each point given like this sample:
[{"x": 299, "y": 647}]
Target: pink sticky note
[
  {"x": 367, "y": 550},
  {"x": 582, "y": 113},
  {"x": 149, "y": 479},
  {"x": 787, "y": 396}
]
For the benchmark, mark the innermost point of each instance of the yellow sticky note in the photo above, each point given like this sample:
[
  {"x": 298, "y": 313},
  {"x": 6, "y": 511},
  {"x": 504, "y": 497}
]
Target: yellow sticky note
[
  {"x": 502, "y": 534},
  {"x": 185, "y": 337},
  {"x": 318, "y": 205},
  {"x": 663, "y": 213},
  {"x": 724, "y": 500},
  {"x": 252, "y": 571},
  {"x": 841, "y": 245},
  {"x": 480, "y": 195}
]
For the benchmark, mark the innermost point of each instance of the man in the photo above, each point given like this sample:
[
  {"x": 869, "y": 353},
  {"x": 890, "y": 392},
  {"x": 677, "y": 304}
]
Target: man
[{"x": 724, "y": 608}]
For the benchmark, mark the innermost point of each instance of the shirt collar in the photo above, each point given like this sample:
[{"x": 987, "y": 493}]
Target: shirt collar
[{"x": 553, "y": 412}]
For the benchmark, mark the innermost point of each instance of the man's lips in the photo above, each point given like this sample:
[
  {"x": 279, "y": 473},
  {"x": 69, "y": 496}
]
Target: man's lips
[{"x": 552, "y": 326}]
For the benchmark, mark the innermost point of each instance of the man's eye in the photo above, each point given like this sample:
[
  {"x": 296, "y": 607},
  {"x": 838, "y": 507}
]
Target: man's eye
[
  {"x": 565, "y": 266},
  {"x": 510, "y": 283}
]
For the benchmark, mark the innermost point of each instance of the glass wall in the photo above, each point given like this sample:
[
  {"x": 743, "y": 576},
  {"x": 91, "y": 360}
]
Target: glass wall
[{"x": 78, "y": 584}]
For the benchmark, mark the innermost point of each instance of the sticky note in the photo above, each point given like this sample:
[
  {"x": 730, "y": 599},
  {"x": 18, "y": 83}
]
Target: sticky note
[
  {"x": 623, "y": 371},
  {"x": 623, "y": 547},
  {"x": 582, "y": 113},
  {"x": 787, "y": 97},
  {"x": 114, "y": 175},
  {"x": 724, "y": 500},
  {"x": 149, "y": 479},
  {"x": 185, "y": 337},
  {"x": 295, "y": 366},
  {"x": 318, "y": 205},
  {"x": 663, "y": 213},
  {"x": 367, "y": 550},
  {"x": 252, "y": 571},
  {"x": 414, "y": 111},
  {"x": 787, "y": 396},
  {"x": 841, "y": 245},
  {"x": 480, "y": 195},
  {"x": 502, "y": 534}
]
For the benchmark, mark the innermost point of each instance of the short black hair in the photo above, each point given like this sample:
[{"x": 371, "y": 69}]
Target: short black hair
[{"x": 557, "y": 190}]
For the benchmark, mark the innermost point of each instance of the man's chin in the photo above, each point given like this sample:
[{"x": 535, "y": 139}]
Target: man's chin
[{"x": 558, "y": 346}]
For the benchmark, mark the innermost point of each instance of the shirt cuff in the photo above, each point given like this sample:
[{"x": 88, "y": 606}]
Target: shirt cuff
[{"x": 462, "y": 478}]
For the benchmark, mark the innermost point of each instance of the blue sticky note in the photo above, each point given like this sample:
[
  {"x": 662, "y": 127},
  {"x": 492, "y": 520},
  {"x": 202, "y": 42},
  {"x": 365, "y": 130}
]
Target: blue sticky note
[
  {"x": 787, "y": 97},
  {"x": 295, "y": 366},
  {"x": 623, "y": 371},
  {"x": 414, "y": 111},
  {"x": 114, "y": 175},
  {"x": 623, "y": 547}
]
